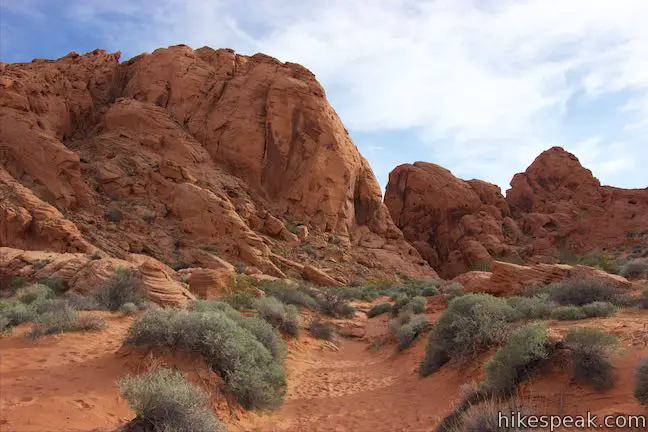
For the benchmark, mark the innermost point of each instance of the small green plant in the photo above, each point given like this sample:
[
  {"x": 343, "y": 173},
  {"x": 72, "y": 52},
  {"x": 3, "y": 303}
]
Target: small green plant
[
  {"x": 452, "y": 291},
  {"x": 123, "y": 287},
  {"x": 637, "y": 268},
  {"x": 530, "y": 308},
  {"x": 34, "y": 292},
  {"x": 165, "y": 401},
  {"x": 113, "y": 215},
  {"x": 472, "y": 322},
  {"x": 591, "y": 350},
  {"x": 581, "y": 291},
  {"x": 81, "y": 302},
  {"x": 57, "y": 284},
  {"x": 240, "y": 267},
  {"x": 18, "y": 282},
  {"x": 568, "y": 313},
  {"x": 335, "y": 306},
  {"x": 289, "y": 293},
  {"x": 379, "y": 309},
  {"x": 128, "y": 309},
  {"x": 599, "y": 309},
  {"x": 430, "y": 291},
  {"x": 513, "y": 362},
  {"x": 282, "y": 317},
  {"x": 321, "y": 330},
  {"x": 64, "y": 319},
  {"x": 641, "y": 385},
  {"x": 435, "y": 357},
  {"x": 407, "y": 333},
  {"x": 308, "y": 249}
]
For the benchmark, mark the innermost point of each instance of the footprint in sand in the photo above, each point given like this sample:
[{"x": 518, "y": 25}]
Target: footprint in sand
[{"x": 83, "y": 404}]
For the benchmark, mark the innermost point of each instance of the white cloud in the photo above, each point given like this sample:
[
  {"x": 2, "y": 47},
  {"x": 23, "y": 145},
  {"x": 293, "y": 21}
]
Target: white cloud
[{"x": 486, "y": 84}]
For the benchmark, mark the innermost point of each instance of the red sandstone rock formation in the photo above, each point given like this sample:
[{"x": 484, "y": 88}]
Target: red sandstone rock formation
[
  {"x": 186, "y": 156},
  {"x": 84, "y": 274},
  {"x": 555, "y": 206},
  {"x": 455, "y": 224},
  {"x": 560, "y": 204}
]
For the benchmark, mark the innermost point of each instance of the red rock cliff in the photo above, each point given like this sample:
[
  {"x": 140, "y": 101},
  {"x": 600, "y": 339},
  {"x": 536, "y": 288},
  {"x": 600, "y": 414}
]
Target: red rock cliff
[{"x": 178, "y": 151}]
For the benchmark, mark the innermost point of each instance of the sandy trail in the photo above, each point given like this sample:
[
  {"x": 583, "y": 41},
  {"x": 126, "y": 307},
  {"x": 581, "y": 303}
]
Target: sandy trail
[
  {"x": 63, "y": 382},
  {"x": 357, "y": 388}
]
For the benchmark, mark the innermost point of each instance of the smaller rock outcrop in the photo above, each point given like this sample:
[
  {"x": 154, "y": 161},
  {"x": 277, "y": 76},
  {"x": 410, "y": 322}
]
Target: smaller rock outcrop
[
  {"x": 508, "y": 279},
  {"x": 84, "y": 274},
  {"x": 456, "y": 225},
  {"x": 210, "y": 283}
]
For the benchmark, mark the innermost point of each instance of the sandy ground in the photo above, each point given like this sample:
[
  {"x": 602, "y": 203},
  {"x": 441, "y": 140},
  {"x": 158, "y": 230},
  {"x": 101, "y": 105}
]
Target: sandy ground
[{"x": 67, "y": 383}]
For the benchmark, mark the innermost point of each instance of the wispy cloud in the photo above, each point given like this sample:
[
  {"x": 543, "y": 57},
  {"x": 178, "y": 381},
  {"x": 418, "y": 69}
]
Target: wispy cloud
[{"x": 478, "y": 85}]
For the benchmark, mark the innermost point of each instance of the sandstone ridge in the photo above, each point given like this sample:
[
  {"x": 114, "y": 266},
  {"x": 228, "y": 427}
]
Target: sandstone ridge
[{"x": 189, "y": 157}]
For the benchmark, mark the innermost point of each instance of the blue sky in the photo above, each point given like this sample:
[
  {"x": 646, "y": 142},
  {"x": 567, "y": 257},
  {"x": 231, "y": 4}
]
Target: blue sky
[{"x": 478, "y": 86}]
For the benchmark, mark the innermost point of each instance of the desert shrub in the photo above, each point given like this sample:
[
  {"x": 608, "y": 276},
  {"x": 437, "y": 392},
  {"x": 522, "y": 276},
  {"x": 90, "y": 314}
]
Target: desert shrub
[
  {"x": 288, "y": 294},
  {"x": 513, "y": 362},
  {"x": 591, "y": 350},
  {"x": 64, "y": 319},
  {"x": 44, "y": 305},
  {"x": 599, "y": 309},
  {"x": 452, "y": 291},
  {"x": 240, "y": 300},
  {"x": 57, "y": 284},
  {"x": 81, "y": 302},
  {"x": 15, "y": 313},
  {"x": 473, "y": 321},
  {"x": 321, "y": 330},
  {"x": 123, "y": 287},
  {"x": 641, "y": 384},
  {"x": 128, "y": 309},
  {"x": 484, "y": 416},
  {"x": 568, "y": 313},
  {"x": 530, "y": 308},
  {"x": 250, "y": 371},
  {"x": 165, "y": 401},
  {"x": 113, "y": 215},
  {"x": 407, "y": 333},
  {"x": 34, "y": 292},
  {"x": 435, "y": 357},
  {"x": 400, "y": 320},
  {"x": 581, "y": 291},
  {"x": 4, "y": 325},
  {"x": 643, "y": 299},
  {"x": 88, "y": 323},
  {"x": 412, "y": 287},
  {"x": 417, "y": 304},
  {"x": 379, "y": 309},
  {"x": 261, "y": 329},
  {"x": 280, "y": 316},
  {"x": 335, "y": 306},
  {"x": 18, "y": 282},
  {"x": 361, "y": 292},
  {"x": 430, "y": 291},
  {"x": 636, "y": 268}
]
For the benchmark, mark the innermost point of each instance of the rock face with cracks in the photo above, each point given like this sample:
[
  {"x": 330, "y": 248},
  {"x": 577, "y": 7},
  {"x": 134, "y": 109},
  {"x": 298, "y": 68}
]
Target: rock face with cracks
[{"x": 187, "y": 156}]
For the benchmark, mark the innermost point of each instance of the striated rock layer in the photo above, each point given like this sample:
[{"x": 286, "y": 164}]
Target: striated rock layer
[
  {"x": 508, "y": 279},
  {"x": 187, "y": 156},
  {"x": 556, "y": 206}
]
